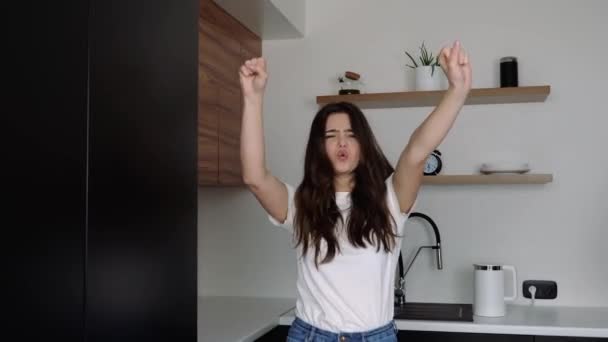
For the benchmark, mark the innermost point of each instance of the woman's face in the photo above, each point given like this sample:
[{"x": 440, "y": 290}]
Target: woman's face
[{"x": 341, "y": 145}]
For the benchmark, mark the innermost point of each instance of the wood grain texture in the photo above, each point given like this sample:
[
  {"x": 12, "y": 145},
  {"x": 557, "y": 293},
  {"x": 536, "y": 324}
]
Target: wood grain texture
[
  {"x": 224, "y": 44},
  {"x": 230, "y": 172},
  {"x": 208, "y": 150},
  {"x": 251, "y": 45},
  {"x": 219, "y": 55},
  {"x": 432, "y": 98}
]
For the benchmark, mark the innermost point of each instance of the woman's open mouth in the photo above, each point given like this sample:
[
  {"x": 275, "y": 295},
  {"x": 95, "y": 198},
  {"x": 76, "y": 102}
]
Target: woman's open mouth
[{"x": 342, "y": 155}]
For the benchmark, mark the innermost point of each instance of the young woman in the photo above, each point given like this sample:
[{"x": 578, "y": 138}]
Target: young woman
[{"x": 348, "y": 213}]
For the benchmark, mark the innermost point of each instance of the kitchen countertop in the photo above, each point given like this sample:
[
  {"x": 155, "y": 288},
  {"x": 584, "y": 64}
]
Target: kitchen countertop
[
  {"x": 519, "y": 320},
  {"x": 236, "y": 319}
]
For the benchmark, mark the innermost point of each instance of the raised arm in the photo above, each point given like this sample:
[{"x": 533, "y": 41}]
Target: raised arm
[
  {"x": 270, "y": 192},
  {"x": 431, "y": 132}
]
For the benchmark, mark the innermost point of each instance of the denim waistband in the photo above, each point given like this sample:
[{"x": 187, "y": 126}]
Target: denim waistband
[{"x": 349, "y": 336}]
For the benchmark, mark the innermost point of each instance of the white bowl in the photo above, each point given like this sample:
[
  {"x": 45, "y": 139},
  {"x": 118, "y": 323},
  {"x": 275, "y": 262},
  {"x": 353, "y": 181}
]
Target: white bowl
[{"x": 504, "y": 167}]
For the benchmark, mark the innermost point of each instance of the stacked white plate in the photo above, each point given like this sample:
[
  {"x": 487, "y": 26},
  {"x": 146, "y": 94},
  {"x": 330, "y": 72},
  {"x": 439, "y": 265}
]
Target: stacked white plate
[{"x": 504, "y": 167}]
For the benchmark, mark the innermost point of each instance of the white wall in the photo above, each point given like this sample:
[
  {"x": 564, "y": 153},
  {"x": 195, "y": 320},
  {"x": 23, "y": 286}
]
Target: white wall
[{"x": 556, "y": 231}]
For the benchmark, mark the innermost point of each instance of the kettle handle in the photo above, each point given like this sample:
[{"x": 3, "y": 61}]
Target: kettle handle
[{"x": 514, "y": 277}]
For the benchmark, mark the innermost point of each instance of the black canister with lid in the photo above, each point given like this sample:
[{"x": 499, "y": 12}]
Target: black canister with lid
[{"x": 508, "y": 72}]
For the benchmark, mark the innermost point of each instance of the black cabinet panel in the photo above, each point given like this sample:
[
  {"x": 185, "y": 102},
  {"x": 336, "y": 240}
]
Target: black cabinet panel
[
  {"x": 279, "y": 333},
  {"x": 100, "y": 136},
  {"x": 431, "y": 336},
  {"x": 569, "y": 339},
  {"x": 43, "y": 184},
  {"x": 141, "y": 274}
]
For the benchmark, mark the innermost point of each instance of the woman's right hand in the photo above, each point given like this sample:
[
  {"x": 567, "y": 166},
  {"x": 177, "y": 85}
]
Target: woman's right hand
[{"x": 253, "y": 77}]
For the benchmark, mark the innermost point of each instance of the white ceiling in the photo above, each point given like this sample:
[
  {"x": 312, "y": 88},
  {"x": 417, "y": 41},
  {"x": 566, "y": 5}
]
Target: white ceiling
[{"x": 269, "y": 19}]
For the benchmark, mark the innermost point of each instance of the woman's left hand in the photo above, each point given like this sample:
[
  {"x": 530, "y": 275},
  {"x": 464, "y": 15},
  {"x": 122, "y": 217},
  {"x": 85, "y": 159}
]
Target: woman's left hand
[{"x": 455, "y": 63}]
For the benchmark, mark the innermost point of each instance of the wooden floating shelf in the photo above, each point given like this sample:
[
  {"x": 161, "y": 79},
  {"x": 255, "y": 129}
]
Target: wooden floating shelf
[
  {"x": 488, "y": 179},
  {"x": 431, "y": 98}
]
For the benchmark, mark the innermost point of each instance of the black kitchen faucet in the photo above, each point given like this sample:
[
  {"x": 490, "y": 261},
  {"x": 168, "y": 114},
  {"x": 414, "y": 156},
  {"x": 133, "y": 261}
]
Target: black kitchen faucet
[{"x": 400, "y": 289}]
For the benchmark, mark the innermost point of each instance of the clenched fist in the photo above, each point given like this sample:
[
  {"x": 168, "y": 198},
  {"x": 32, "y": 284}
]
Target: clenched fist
[{"x": 253, "y": 77}]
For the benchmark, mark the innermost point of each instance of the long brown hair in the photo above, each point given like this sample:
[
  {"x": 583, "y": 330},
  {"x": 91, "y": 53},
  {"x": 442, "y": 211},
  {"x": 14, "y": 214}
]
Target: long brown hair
[{"x": 316, "y": 211}]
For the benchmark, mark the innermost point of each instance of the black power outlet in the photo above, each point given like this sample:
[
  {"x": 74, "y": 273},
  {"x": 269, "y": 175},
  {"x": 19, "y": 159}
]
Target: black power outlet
[{"x": 545, "y": 289}]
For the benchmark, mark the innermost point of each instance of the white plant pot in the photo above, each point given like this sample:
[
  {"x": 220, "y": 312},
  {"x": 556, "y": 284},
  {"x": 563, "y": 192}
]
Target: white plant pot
[{"x": 428, "y": 80}]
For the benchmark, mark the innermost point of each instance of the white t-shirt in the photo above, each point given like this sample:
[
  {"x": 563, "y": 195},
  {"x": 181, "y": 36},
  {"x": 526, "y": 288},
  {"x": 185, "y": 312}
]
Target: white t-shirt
[{"x": 355, "y": 291}]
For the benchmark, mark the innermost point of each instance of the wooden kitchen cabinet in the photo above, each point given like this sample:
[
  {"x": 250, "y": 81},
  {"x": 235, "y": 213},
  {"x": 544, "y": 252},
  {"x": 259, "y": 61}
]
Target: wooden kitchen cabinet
[
  {"x": 207, "y": 135},
  {"x": 224, "y": 44}
]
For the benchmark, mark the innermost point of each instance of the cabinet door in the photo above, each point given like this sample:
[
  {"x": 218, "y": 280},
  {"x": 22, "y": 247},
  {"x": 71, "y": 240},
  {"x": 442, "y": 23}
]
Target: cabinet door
[
  {"x": 230, "y": 137},
  {"x": 224, "y": 44},
  {"x": 432, "y": 336},
  {"x": 219, "y": 48},
  {"x": 208, "y": 148},
  {"x": 141, "y": 271},
  {"x": 44, "y": 119},
  {"x": 569, "y": 339}
]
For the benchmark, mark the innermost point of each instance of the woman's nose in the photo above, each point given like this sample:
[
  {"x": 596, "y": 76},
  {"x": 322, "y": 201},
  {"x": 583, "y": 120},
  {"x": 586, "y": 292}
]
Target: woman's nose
[{"x": 342, "y": 141}]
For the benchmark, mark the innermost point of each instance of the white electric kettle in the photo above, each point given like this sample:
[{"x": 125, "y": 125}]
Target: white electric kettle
[{"x": 490, "y": 289}]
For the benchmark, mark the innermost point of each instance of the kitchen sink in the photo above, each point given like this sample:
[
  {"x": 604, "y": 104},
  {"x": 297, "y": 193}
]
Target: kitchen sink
[{"x": 435, "y": 311}]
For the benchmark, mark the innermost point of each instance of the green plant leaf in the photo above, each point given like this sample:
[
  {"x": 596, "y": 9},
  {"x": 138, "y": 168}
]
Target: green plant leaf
[
  {"x": 423, "y": 53},
  {"x": 412, "y": 58}
]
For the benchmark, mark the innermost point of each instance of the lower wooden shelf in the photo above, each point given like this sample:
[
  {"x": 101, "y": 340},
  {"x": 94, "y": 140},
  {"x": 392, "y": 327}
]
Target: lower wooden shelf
[
  {"x": 432, "y": 97},
  {"x": 538, "y": 178}
]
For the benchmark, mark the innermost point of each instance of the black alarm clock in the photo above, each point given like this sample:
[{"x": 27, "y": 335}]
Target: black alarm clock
[{"x": 433, "y": 164}]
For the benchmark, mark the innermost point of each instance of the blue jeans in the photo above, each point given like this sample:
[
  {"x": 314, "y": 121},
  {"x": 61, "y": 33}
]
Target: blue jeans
[{"x": 301, "y": 331}]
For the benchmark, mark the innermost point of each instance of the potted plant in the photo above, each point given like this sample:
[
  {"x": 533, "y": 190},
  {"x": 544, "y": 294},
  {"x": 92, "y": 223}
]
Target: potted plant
[{"x": 429, "y": 75}]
